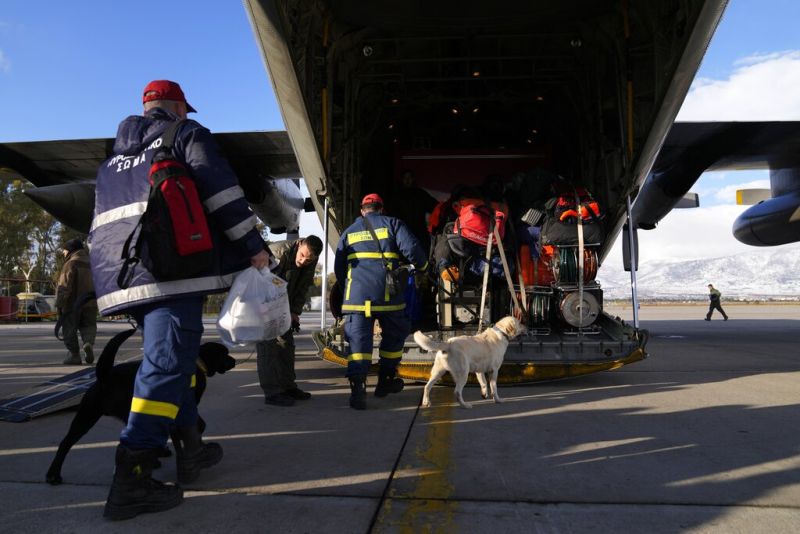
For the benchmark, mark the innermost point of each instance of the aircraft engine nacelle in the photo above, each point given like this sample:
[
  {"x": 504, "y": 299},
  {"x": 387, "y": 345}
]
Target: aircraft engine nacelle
[
  {"x": 277, "y": 202},
  {"x": 70, "y": 204},
  {"x": 776, "y": 220}
]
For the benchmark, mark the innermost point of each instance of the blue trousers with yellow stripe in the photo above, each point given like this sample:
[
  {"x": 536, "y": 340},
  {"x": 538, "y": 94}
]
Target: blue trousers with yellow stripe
[
  {"x": 358, "y": 332},
  {"x": 162, "y": 393}
]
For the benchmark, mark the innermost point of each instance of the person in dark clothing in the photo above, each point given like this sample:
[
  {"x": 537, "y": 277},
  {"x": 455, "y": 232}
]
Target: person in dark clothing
[
  {"x": 297, "y": 261},
  {"x": 440, "y": 226},
  {"x": 413, "y": 205},
  {"x": 168, "y": 312},
  {"x": 74, "y": 289},
  {"x": 361, "y": 266},
  {"x": 714, "y": 304}
]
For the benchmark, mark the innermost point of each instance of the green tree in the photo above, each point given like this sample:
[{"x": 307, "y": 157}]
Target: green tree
[{"x": 28, "y": 235}]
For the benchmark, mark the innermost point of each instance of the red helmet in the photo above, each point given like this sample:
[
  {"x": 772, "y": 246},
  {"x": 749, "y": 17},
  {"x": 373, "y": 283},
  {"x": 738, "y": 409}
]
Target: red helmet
[{"x": 372, "y": 198}]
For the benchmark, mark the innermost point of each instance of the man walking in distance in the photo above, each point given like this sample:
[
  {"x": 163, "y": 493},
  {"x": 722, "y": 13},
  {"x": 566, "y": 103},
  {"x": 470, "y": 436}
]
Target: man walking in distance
[
  {"x": 361, "y": 264},
  {"x": 77, "y": 308},
  {"x": 714, "y": 296},
  {"x": 168, "y": 312},
  {"x": 297, "y": 261}
]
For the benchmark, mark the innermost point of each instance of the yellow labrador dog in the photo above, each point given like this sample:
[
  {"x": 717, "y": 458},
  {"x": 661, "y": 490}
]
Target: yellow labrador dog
[{"x": 462, "y": 355}]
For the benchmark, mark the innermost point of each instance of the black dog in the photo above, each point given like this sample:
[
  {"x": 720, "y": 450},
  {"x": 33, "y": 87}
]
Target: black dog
[{"x": 113, "y": 391}]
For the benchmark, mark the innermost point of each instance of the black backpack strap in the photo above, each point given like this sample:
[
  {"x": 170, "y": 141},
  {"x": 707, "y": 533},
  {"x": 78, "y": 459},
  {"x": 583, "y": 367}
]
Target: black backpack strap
[
  {"x": 168, "y": 137},
  {"x": 129, "y": 257},
  {"x": 130, "y": 254},
  {"x": 386, "y": 264}
]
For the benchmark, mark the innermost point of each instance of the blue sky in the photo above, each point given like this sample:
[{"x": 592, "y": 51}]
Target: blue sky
[{"x": 75, "y": 69}]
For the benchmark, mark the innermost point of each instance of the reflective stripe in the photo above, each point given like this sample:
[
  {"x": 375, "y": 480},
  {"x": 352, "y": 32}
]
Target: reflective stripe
[
  {"x": 567, "y": 214},
  {"x": 368, "y": 308},
  {"x": 356, "y": 307},
  {"x": 122, "y": 212},
  {"x": 151, "y": 407},
  {"x": 164, "y": 289},
  {"x": 424, "y": 267},
  {"x": 365, "y": 235},
  {"x": 359, "y": 356},
  {"x": 193, "y": 383},
  {"x": 225, "y": 196},
  {"x": 372, "y": 255},
  {"x": 349, "y": 283},
  {"x": 390, "y": 355},
  {"x": 240, "y": 230}
]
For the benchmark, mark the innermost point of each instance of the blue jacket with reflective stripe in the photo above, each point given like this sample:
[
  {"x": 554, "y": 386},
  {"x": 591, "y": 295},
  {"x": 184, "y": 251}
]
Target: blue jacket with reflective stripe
[
  {"x": 121, "y": 197},
  {"x": 359, "y": 269}
]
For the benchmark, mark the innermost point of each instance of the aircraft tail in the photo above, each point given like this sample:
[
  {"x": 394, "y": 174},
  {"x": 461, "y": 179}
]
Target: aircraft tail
[{"x": 429, "y": 344}]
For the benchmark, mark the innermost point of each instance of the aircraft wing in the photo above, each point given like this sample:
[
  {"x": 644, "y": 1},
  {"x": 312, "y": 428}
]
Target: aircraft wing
[
  {"x": 258, "y": 158},
  {"x": 692, "y": 148},
  {"x": 44, "y": 163}
]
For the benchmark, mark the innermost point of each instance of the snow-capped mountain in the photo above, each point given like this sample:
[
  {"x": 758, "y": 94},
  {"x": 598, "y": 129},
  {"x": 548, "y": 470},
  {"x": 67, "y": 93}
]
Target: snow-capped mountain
[{"x": 768, "y": 273}]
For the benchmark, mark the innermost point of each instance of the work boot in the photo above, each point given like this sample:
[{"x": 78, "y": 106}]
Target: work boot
[
  {"x": 134, "y": 491},
  {"x": 89, "y": 352},
  {"x": 298, "y": 394},
  {"x": 194, "y": 455},
  {"x": 387, "y": 383},
  {"x": 73, "y": 358},
  {"x": 358, "y": 392}
]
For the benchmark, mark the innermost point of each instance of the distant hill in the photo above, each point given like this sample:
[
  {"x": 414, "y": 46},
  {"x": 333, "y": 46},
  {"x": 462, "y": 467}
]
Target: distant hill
[{"x": 764, "y": 274}]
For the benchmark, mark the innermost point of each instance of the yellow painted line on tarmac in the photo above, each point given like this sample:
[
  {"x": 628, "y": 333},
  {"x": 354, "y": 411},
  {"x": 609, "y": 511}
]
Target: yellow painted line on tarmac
[{"x": 428, "y": 505}]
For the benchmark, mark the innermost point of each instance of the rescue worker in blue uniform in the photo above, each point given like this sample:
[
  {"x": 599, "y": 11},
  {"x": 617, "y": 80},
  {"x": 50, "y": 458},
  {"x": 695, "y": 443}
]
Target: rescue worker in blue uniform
[
  {"x": 169, "y": 313},
  {"x": 360, "y": 267}
]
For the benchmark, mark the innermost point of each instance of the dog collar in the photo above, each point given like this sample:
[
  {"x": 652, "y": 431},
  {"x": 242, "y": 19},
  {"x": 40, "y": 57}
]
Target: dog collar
[
  {"x": 500, "y": 332},
  {"x": 202, "y": 366}
]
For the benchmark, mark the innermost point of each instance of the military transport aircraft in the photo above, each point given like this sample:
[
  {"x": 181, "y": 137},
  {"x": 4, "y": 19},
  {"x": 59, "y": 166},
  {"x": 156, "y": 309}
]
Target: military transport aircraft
[{"x": 457, "y": 91}]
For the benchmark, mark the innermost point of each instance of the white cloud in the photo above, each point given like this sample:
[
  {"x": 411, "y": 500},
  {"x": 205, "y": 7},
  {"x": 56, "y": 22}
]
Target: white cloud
[
  {"x": 760, "y": 57},
  {"x": 762, "y": 87},
  {"x": 727, "y": 193},
  {"x": 693, "y": 234},
  {"x": 5, "y": 64}
]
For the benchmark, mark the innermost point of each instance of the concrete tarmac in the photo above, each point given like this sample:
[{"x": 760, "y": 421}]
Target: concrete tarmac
[{"x": 700, "y": 437}]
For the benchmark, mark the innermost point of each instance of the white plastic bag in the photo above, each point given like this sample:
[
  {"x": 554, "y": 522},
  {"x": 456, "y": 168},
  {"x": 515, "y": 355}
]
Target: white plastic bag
[{"x": 257, "y": 309}]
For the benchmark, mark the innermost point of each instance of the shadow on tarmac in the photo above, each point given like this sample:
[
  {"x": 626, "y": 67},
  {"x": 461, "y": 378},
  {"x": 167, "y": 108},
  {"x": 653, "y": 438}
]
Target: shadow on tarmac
[{"x": 703, "y": 429}]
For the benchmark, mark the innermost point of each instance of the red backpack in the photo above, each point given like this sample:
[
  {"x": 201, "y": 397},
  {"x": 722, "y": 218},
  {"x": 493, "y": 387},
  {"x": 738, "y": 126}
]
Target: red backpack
[
  {"x": 477, "y": 219},
  {"x": 174, "y": 241}
]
